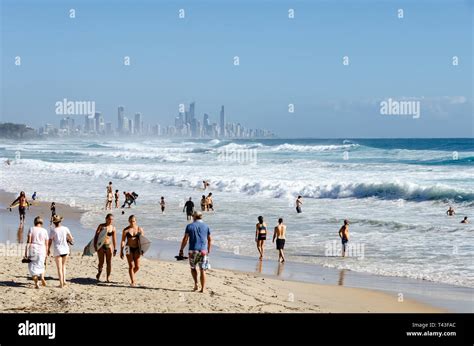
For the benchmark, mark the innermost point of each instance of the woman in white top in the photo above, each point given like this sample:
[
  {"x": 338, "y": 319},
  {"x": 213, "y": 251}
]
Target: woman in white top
[
  {"x": 59, "y": 238},
  {"x": 36, "y": 249}
]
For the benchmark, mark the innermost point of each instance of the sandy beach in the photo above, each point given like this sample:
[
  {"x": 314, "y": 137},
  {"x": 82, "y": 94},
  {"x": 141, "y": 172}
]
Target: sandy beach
[{"x": 166, "y": 286}]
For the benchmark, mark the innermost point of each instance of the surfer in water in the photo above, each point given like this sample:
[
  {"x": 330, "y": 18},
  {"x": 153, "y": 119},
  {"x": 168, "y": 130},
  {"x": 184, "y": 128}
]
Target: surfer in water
[
  {"x": 109, "y": 248},
  {"x": 162, "y": 204},
  {"x": 131, "y": 244},
  {"x": 22, "y": 205},
  {"x": 299, "y": 203},
  {"x": 117, "y": 196},
  {"x": 260, "y": 236},
  {"x": 198, "y": 235},
  {"x": 189, "y": 207},
  {"x": 465, "y": 220},
  {"x": 206, "y": 184},
  {"x": 450, "y": 211},
  {"x": 344, "y": 235},
  {"x": 108, "y": 203}
]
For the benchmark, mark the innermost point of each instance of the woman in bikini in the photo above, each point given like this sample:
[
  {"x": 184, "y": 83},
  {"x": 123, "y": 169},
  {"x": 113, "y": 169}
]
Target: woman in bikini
[
  {"x": 107, "y": 249},
  {"x": 110, "y": 195},
  {"x": 260, "y": 235},
  {"x": 131, "y": 245}
]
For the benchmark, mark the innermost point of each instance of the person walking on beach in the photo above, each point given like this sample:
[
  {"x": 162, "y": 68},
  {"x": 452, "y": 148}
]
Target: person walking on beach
[
  {"x": 299, "y": 203},
  {"x": 450, "y": 211},
  {"x": 53, "y": 212},
  {"x": 131, "y": 244},
  {"x": 280, "y": 236},
  {"x": 189, "y": 207},
  {"x": 117, "y": 196},
  {"x": 36, "y": 250},
  {"x": 59, "y": 239},
  {"x": 209, "y": 202},
  {"x": 261, "y": 236},
  {"x": 199, "y": 236},
  {"x": 203, "y": 203},
  {"x": 22, "y": 205},
  {"x": 109, "y": 248},
  {"x": 162, "y": 204},
  {"x": 465, "y": 220},
  {"x": 344, "y": 235},
  {"x": 110, "y": 195}
]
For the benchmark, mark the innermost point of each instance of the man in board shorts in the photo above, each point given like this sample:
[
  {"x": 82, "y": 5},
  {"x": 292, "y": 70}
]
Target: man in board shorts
[{"x": 199, "y": 236}]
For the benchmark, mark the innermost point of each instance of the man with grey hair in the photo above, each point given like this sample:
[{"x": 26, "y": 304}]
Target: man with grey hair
[{"x": 199, "y": 236}]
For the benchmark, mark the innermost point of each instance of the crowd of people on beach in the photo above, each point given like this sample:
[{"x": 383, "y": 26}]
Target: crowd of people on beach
[{"x": 41, "y": 243}]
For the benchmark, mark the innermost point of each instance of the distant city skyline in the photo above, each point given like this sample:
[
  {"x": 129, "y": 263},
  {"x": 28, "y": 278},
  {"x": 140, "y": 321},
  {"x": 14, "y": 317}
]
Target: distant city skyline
[
  {"x": 299, "y": 69},
  {"x": 186, "y": 124}
]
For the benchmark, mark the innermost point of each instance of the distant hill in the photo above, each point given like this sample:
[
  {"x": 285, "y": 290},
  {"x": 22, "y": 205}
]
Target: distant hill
[{"x": 16, "y": 131}]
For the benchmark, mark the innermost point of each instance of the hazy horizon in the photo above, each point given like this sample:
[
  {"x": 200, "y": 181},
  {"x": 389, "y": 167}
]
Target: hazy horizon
[{"x": 282, "y": 61}]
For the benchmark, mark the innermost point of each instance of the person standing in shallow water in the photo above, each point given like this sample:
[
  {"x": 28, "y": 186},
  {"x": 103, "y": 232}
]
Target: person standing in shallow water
[
  {"x": 189, "y": 207},
  {"x": 344, "y": 235},
  {"x": 299, "y": 203},
  {"x": 110, "y": 195},
  {"x": 109, "y": 248},
  {"x": 280, "y": 236},
  {"x": 260, "y": 236}
]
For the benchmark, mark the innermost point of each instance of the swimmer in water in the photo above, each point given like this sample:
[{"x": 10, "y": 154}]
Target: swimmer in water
[
  {"x": 162, "y": 204},
  {"x": 465, "y": 220},
  {"x": 450, "y": 211}
]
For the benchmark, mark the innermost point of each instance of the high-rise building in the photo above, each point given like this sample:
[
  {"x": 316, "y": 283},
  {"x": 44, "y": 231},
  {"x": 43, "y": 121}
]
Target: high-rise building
[
  {"x": 99, "y": 123},
  {"x": 138, "y": 123},
  {"x": 222, "y": 122},
  {"x": 130, "y": 126},
  {"x": 120, "y": 120}
]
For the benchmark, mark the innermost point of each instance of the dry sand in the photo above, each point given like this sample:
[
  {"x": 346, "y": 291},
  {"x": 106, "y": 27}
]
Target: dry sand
[{"x": 167, "y": 287}]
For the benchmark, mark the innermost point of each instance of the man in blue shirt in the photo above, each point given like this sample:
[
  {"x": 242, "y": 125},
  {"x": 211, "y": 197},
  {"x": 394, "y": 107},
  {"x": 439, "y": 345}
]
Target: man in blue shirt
[{"x": 199, "y": 236}]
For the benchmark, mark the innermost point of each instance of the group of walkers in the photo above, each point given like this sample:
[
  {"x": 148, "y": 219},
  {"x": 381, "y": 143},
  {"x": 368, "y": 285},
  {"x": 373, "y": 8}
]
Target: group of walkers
[{"x": 279, "y": 235}]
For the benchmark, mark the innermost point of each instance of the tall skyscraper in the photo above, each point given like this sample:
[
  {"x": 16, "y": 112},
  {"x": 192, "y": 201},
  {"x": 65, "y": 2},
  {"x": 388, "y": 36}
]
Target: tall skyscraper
[
  {"x": 138, "y": 123},
  {"x": 120, "y": 120},
  {"x": 99, "y": 123},
  {"x": 222, "y": 122}
]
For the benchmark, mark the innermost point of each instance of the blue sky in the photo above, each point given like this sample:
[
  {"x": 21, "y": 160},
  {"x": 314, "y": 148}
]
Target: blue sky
[{"x": 282, "y": 61}]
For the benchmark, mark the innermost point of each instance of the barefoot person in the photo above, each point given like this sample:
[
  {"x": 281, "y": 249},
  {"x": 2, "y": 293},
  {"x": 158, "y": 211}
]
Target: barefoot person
[
  {"x": 189, "y": 207},
  {"x": 131, "y": 243},
  {"x": 59, "y": 238},
  {"x": 162, "y": 204},
  {"x": 108, "y": 249},
  {"x": 22, "y": 205},
  {"x": 110, "y": 196},
  {"x": 199, "y": 236},
  {"x": 203, "y": 203},
  {"x": 260, "y": 236},
  {"x": 344, "y": 235},
  {"x": 36, "y": 250},
  {"x": 450, "y": 211},
  {"x": 117, "y": 196},
  {"x": 299, "y": 203},
  {"x": 280, "y": 236}
]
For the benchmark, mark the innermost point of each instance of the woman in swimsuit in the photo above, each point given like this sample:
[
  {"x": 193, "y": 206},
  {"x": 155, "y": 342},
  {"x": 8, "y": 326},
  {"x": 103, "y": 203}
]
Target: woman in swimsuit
[
  {"x": 260, "y": 235},
  {"x": 131, "y": 244},
  {"x": 107, "y": 249}
]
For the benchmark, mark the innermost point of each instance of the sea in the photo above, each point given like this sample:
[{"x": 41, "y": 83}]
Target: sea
[{"x": 394, "y": 192}]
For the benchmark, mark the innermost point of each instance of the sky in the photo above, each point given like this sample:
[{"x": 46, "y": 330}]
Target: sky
[{"x": 282, "y": 61}]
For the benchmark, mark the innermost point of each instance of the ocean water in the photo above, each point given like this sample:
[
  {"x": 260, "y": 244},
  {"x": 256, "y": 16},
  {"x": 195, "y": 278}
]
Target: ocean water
[{"x": 394, "y": 192}]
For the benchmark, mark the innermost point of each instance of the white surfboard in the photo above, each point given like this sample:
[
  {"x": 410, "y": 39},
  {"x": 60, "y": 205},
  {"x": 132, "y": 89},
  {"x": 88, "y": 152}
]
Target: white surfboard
[
  {"x": 145, "y": 244},
  {"x": 89, "y": 250}
]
